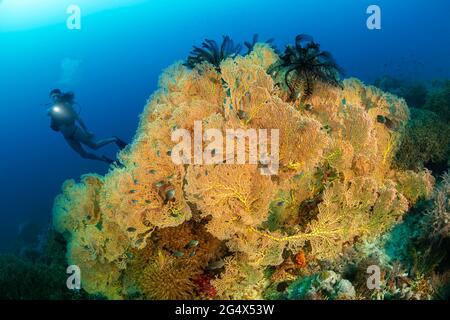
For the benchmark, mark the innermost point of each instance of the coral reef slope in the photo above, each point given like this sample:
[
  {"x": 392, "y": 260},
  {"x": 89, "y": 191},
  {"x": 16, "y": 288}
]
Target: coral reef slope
[{"x": 336, "y": 187}]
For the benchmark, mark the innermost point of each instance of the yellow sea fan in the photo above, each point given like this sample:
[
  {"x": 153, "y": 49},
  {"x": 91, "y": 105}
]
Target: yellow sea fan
[
  {"x": 339, "y": 155},
  {"x": 235, "y": 195},
  {"x": 388, "y": 209},
  {"x": 263, "y": 55},
  {"x": 248, "y": 84},
  {"x": 415, "y": 185},
  {"x": 240, "y": 281},
  {"x": 258, "y": 250},
  {"x": 352, "y": 209},
  {"x": 302, "y": 140},
  {"x": 358, "y": 129},
  {"x": 99, "y": 274},
  {"x": 78, "y": 204}
]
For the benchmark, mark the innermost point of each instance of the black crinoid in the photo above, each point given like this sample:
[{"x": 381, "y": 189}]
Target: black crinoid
[
  {"x": 251, "y": 45},
  {"x": 211, "y": 52},
  {"x": 303, "y": 65}
]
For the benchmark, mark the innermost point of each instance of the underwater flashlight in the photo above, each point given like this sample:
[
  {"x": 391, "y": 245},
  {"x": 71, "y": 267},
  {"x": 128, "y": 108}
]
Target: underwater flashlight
[{"x": 57, "y": 109}]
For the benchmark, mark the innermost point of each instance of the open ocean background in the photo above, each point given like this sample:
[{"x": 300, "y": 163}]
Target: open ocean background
[{"x": 114, "y": 61}]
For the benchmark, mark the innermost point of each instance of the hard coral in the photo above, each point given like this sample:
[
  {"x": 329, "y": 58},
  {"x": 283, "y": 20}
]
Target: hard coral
[
  {"x": 41, "y": 276},
  {"x": 426, "y": 142},
  {"x": 415, "y": 93},
  {"x": 438, "y": 101},
  {"x": 325, "y": 285}
]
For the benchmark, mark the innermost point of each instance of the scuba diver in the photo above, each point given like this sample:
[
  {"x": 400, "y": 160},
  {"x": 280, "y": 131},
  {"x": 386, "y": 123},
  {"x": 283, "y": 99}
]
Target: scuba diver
[{"x": 66, "y": 120}]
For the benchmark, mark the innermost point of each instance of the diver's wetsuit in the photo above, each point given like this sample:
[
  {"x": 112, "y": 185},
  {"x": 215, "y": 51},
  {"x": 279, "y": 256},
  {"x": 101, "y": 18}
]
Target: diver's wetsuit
[{"x": 64, "y": 119}]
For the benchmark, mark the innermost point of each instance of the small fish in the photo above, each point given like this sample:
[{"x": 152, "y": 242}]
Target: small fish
[
  {"x": 387, "y": 122},
  {"x": 167, "y": 193},
  {"x": 242, "y": 114},
  {"x": 159, "y": 184},
  {"x": 192, "y": 254},
  {"x": 308, "y": 107},
  {"x": 390, "y": 124},
  {"x": 213, "y": 80},
  {"x": 326, "y": 128},
  {"x": 170, "y": 194},
  {"x": 282, "y": 286},
  {"x": 216, "y": 264},
  {"x": 299, "y": 175},
  {"x": 381, "y": 119},
  {"x": 178, "y": 254}
]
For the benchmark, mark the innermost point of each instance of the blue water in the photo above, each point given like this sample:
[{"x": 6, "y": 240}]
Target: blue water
[{"x": 114, "y": 61}]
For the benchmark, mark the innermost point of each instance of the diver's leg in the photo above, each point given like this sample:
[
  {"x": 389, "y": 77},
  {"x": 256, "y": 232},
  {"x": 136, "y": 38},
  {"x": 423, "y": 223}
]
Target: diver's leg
[
  {"x": 75, "y": 145},
  {"x": 95, "y": 145},
  {"x": 120, "y": 143}
]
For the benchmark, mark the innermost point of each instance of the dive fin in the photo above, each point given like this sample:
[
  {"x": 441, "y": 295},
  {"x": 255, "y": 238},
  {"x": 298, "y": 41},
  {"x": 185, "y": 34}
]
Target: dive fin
[{"x": 120, "y": 143}]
